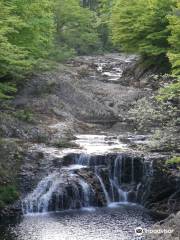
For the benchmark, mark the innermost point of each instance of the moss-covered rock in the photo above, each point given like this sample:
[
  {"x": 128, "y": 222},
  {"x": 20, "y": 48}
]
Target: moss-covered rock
[
  {"x": 11, "y": 159},
  {"x": 8, "y": 194}
]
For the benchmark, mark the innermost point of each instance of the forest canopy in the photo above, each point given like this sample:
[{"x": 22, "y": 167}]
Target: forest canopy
[
  {"x": 32, "y": 32},
  {"x": 152, "y": 30}
]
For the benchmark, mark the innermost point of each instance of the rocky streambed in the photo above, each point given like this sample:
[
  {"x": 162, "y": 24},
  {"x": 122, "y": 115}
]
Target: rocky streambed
[{"x": 73, "y": 149}]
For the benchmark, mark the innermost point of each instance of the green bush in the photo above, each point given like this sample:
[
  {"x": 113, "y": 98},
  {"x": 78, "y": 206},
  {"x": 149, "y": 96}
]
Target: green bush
[
  {"x": 6, "y": 90},
  {"x": 170, "y": 92},
  {"x": 174, "y": 40},
  {"x": 25, "y": 115},
  {"x": 146, "y": 114},
  {"x": 8, "y": 195},
  {"x": 174, "y": 160},
  {"x": 62, "y": 53}
]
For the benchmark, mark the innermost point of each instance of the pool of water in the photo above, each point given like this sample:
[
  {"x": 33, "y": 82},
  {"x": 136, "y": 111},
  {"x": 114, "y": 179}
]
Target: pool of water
[{"x": 117, "y": 222}]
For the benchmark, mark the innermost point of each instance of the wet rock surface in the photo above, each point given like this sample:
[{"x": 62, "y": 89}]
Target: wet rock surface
[
  {"x": 170, "y": 226},
  {"x": 159, "y": 190}
]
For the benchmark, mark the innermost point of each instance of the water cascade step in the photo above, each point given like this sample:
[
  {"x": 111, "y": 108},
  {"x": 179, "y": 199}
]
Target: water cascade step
[{"x": 89, "y": 181}]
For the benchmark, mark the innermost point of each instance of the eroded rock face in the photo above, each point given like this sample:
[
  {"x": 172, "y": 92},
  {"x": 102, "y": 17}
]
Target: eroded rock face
[
  {"x": 171, "y": 226},
  {"x": 159, "y": 189}
]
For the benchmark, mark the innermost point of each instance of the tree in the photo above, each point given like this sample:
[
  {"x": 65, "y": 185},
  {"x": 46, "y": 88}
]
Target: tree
[
  {"x": 174, "y": 40},
  {"x": 36, "y": 34},
  {"x": 92, "y": 4},
  {"x": 76, "y": 27},
  {"x": 140, "y": 26},
  {"x": 26, "y": 35},
  {"x": 172, "y": 91},
  {"x": 12, "y": 57},
  {"x": 104, "y": 29}
]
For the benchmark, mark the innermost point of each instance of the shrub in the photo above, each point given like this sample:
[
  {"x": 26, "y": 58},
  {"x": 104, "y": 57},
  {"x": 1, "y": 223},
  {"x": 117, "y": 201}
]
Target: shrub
[
  {"x": 170, "y": 92},
  {"x": 145, "y": 114},
  {"x": 8, "y": 195},
  {"x": 25, "y": 115},
  {"x": 174, "y": 160},
  {"x": 6, "y": 90}
]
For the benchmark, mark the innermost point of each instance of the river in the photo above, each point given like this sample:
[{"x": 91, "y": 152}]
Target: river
[{"x": 117, "y": 220}]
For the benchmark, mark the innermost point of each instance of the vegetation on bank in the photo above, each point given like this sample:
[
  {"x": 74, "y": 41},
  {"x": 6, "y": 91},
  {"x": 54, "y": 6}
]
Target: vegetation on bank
[
  {"x": 8, "y": 194},
  {"x": 11, "y": 158},
  {"x": 35, "y": 33},
  {"x": 173, "y": 160},
  {"x": 151, "y": 29}
]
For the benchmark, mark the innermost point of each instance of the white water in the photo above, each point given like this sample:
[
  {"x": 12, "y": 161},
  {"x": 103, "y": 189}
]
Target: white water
[
  {"x": 103, "y": 187},
  {"x": 99, "y": 144},
  {"x": 112, "y": 71},
  {"x": 55, "y": 186},
  {"x": 86, "y": 192}
]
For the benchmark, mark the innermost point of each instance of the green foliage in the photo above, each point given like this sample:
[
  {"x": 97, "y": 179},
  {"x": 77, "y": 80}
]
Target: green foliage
[
  {"x": 76, "y": 27},
  {"x": 165, "y": 138},
  {"x": 91, "y": 4},
  {"x": 146, "y": 114},
  {"x": 174, "y": 160},
  {"x": 33, "y": 33},
  {"x": 12, "y": 57},
  {"x": 152, "y": 29},
  {"x": 104, "y": 29},
  {"x": 8, "y": 194},
  {"x": 6, "y": 89},
  {"x": 174, "y": 40},
  {"x": 25, "y": 115},
  {"x": 62, "y": 53},
  {"x": 26, "y": 35},
  {"x": 170, "y": 92},
  {"x": 140, "y": 26},
  {"x": 36, "y": 32}
]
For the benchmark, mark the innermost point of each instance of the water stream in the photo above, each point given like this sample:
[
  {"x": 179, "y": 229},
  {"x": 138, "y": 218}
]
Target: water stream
[
  {"x": 92, "y": 192},
  {"x": 115, "y": 223},
  {"x": 87, "y": 198}
]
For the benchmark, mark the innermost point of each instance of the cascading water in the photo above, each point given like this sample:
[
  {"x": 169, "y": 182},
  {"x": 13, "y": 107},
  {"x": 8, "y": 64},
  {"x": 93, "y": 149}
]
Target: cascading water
[
  {"x": 89, "y": 181},
  {"x": 106, "y": 194},
  {"x": 116, "y": 179},
  {"x": 60, "y": 190}
]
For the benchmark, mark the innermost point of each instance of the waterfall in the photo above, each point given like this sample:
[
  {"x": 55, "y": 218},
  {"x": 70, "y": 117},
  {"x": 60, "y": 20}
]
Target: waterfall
[
  {"x": 82, "y": 159},
  {"x": 116, "y": 179},
  {"x": 85, "y": 184},
  {"x": 86, "y": 192},
  {"x": 103, "y": 186},
  {"x": 132, "y": 170},
  {"x": 64, "y": 190}
]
